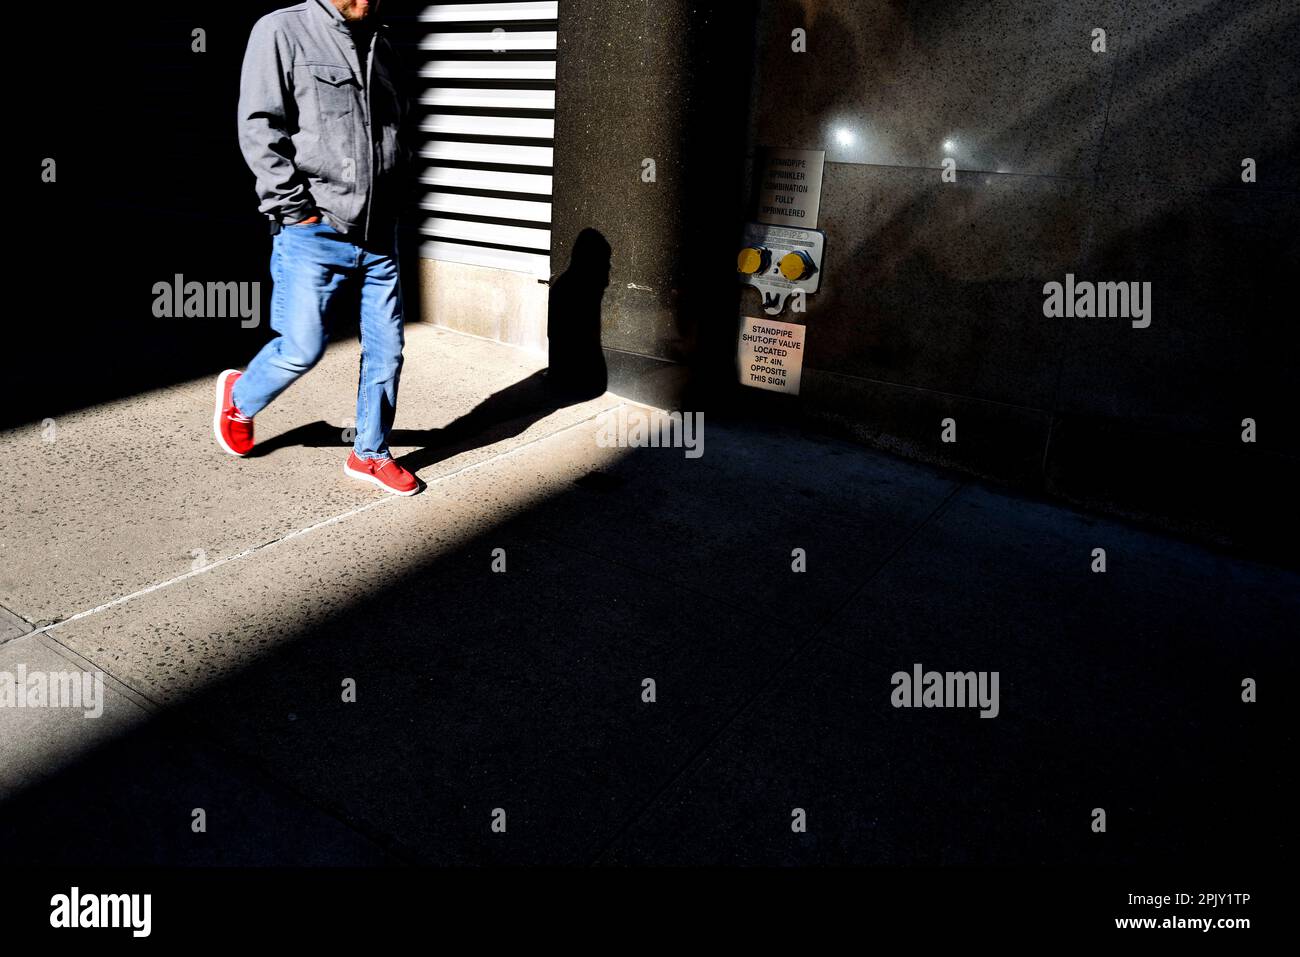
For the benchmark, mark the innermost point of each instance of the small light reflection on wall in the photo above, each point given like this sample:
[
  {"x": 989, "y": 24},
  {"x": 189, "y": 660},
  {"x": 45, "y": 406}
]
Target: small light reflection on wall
[{"x": 844, "y": 142}]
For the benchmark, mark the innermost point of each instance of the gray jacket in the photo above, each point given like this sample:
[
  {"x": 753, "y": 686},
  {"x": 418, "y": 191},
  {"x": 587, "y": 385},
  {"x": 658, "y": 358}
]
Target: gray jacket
[{"x": 319, "y": 135}]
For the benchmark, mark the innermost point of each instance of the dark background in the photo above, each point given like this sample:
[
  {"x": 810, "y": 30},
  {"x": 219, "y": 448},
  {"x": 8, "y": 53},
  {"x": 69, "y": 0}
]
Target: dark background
[{"x": 150, "y": 183}]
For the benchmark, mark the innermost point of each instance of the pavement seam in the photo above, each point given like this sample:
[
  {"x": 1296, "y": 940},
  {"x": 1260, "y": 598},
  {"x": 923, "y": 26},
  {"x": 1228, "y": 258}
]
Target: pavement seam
[
  {"x": 11, "y": 619},
  {"x": 332, "y": 520},
  {"x": 119, "y": 686}
]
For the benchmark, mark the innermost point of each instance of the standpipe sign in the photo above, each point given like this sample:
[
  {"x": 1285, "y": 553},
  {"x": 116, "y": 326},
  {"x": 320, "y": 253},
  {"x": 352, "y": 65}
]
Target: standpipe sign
[
  {"x": 790, "y": 186},
  {"x": 770, "y": 354}
]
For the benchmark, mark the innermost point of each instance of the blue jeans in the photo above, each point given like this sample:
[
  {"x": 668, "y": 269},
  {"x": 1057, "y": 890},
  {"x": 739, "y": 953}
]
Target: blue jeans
[{"x": 309, "y": 266}]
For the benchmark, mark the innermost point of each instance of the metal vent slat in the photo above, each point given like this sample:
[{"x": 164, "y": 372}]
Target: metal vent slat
[
  {"x": 488, "y": 207},
  {"x": 462, "y": 178},
  {"x": 535, "y": 264},
  {"x": 501, "y": 126},
  {"x": 490, "y": 99},
  {"x": 452, "y": 151},
  {"x": 499, "y": 40},
  {"x": 448, "y": 70},
  {"x": 496, "y": 233},
  {"x": 491, "y": 12}
]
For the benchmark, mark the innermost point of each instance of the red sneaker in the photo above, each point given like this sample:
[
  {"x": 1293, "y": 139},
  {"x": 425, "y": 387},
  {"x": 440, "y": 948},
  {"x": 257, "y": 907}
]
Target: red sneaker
[
  {"x": 233, "y": 429},
  {"x": 384, "y": 472}
]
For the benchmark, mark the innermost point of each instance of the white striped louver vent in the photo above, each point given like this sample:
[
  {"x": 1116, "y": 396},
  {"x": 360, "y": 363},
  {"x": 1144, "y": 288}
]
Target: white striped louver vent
[{"x": 489, "y": 126}]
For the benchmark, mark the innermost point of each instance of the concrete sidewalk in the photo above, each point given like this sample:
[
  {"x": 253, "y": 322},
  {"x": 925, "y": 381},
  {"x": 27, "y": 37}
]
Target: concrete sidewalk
[{"x": 230, "y": 602}]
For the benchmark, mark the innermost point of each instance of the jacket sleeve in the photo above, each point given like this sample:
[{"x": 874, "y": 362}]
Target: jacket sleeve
[{"x": 267, "y": 115}]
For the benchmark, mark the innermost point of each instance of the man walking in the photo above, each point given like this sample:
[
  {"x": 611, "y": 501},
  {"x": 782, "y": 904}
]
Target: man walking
[{"x": 322, "y": 126}]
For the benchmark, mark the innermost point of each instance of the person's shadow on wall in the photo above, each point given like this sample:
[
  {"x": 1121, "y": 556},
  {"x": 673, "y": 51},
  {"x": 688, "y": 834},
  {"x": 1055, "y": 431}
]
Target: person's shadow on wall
[
  {"x": 575, "y": 362},
  {"x": 576, "y": 372}
]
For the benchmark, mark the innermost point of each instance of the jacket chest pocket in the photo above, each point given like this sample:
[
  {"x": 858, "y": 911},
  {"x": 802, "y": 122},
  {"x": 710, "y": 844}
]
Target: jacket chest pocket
[{"x": 336, "y": 89}]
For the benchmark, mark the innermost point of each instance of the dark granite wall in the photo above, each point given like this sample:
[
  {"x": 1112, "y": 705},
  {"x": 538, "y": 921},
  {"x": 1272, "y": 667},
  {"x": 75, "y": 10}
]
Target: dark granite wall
[
  {"x": 666, "y": 80},
  {"x": 1123, "y": 165}
]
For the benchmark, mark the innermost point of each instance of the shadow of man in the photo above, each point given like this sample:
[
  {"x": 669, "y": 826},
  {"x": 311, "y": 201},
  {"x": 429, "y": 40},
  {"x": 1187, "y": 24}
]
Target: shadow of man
[
  {"x": 575, "y": 362},
  {"x": 504, "y": 414}
]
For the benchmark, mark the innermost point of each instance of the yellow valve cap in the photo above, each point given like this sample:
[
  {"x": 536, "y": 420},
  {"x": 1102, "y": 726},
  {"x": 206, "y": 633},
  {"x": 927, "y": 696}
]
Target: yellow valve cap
[
  {"x": 750, "y": 260},
  {"x": 793, "y": 266}
]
